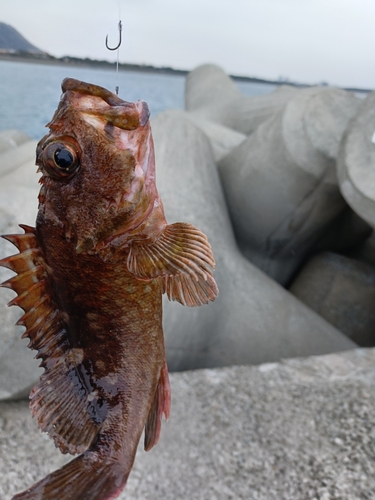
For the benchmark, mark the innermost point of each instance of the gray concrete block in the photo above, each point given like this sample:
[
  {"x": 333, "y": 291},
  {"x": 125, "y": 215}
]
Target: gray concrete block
[
  {"x": 11, "y": 159},
  {"x": 222, "y": 139},
  {"x": 11, "y": 139},
  {"x": 213, "y": 95},
  {"x": 342, "y": 291},
  {"x": 245, "y": 114},
  {"x": 254, "y": 319},
  {"x": 347, "y": 232},
  {"x": 297, "y": 430},
  {"x": 208, "y": 85},
  {"x": 365, "y": 252},
  {"x": 326, "y": 117},
  {"x": 355, "y": 167},
  {"x": 280, "y": 183}
]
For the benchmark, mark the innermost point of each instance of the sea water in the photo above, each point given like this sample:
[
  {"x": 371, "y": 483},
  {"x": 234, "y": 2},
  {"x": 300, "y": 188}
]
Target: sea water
[{"x": 29, "y": 93}]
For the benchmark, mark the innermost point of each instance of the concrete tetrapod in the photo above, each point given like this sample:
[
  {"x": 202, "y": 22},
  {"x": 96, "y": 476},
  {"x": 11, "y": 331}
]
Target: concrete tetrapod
[
  {"x": 18, "y": 204},
  {"x": 208, "y": 85},
  {"x": 11, "y": 139},
  {"x": 280, "y": 183},
  {"x": 222, "y": 139},
  {"x": 342, "y": 291},
  {"x": 365, "y": 252},
  {"x": 356, "y": 160},
  {"x": 254, "y": 320},
  {"x": 213, "y": 95}
]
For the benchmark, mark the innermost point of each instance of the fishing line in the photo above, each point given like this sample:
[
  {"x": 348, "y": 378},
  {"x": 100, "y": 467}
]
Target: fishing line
[
  {"x": 117, "y": 60},
  {"x": 117, "y": 47},
  {"x": 118, "y": 50}
]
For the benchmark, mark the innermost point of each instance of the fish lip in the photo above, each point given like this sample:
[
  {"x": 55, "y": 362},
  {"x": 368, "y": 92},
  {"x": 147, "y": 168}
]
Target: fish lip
[
  {"x": 144, "y": 112},
  {"x": 137, "y": 112},
  {"x": 92, "y": 90}
]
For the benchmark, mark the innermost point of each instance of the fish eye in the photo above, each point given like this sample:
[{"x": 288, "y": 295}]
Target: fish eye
[
  {"x": 60, "y": 160},
  {"x": 63, "y": 159}
]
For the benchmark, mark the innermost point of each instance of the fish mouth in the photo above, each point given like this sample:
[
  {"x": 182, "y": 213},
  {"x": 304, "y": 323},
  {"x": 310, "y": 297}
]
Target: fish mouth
[{"x": 117, "y": 112}]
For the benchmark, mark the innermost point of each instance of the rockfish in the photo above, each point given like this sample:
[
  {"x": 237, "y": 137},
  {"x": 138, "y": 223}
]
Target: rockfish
[{"x": 90, "y": 279}]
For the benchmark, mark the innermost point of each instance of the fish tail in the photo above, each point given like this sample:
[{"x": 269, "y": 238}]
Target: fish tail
[{"x": 87, "y": 477}]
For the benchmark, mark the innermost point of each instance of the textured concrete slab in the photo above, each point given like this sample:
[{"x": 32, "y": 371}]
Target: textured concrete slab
[{"x": 297, "y": 430}]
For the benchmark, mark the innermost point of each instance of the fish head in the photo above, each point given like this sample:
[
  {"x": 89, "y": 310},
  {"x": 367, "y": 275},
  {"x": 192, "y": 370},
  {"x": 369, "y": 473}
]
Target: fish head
[{"x": 98, "y": 166}]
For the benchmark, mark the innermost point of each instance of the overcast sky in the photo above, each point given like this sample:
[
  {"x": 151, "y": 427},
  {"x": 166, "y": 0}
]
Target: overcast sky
[{"x": 308, "y": 41}]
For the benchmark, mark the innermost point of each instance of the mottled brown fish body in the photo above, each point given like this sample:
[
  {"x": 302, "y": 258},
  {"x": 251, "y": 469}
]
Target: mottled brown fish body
[
  {"x": 118, "y": 351},
  {"x": 90, "y": 279}
]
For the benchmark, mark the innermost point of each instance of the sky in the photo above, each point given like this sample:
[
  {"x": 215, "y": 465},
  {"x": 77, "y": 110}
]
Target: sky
[{"x": 306, "y": 41}]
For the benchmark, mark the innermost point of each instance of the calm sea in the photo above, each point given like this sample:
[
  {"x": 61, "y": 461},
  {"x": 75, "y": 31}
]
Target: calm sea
[{"x": 29, "y": 93}]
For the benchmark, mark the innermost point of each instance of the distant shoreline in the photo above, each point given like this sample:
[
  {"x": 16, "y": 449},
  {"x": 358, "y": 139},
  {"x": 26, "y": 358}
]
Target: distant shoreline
[{"x": 91, "y": 63}]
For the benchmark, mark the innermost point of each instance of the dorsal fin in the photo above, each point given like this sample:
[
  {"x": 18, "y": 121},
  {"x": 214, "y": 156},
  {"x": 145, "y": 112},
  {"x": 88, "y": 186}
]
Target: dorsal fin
[
  {"x": 56, "y": 401},
  {"x": 182, "y": 257}
]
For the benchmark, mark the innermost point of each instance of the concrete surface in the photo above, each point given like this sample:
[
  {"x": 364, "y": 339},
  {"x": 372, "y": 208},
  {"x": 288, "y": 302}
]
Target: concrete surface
[
  {"x": 342, "y": 291},
  {"x": 348, "y": 232},
  {"x": 11, "y": 139},
  {"x": 356, "y": 159},
  {"x": 212, "y": 94},
  {"x": 302, "y": 429},
  {"x": 222, "y": 139},
  {"x": 13, "y": 158},
  {"x": 365, "y": 252},
  {"x": 209, "y": 85}
]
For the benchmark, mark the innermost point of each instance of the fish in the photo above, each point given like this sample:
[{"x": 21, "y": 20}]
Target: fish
[{"x": 90, "y": 278}]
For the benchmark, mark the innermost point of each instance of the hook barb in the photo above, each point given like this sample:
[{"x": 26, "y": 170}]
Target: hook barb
[{"x": 119, "y": 43}]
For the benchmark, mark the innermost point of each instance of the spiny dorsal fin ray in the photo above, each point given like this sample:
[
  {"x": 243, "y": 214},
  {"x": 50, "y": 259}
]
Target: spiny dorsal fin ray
[
  {"x": 27, "y": 299},
  {"x": 22, "y": 241},
  {"x": 42, "y": 327},
  {"x": 183, "y": 258},
  {"x": 56, "y": 401},
  {"x": 24, "y": 281},
  {"x": 22, "y": 262}
]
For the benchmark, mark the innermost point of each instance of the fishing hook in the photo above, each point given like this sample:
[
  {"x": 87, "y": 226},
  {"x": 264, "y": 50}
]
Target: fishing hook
[{"x": 119, "y": 43}]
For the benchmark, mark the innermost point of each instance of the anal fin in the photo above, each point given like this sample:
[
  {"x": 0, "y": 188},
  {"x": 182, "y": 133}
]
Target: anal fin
[{"x": 161, "y": 405}]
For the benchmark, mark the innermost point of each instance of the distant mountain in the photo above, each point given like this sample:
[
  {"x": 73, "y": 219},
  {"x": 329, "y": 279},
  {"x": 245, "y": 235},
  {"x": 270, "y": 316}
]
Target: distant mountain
[{"x": 12, "y": 41}]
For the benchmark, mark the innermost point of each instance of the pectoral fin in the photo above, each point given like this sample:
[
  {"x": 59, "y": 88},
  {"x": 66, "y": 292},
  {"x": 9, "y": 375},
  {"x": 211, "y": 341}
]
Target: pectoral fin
[{"x": 182, "y": 258}]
